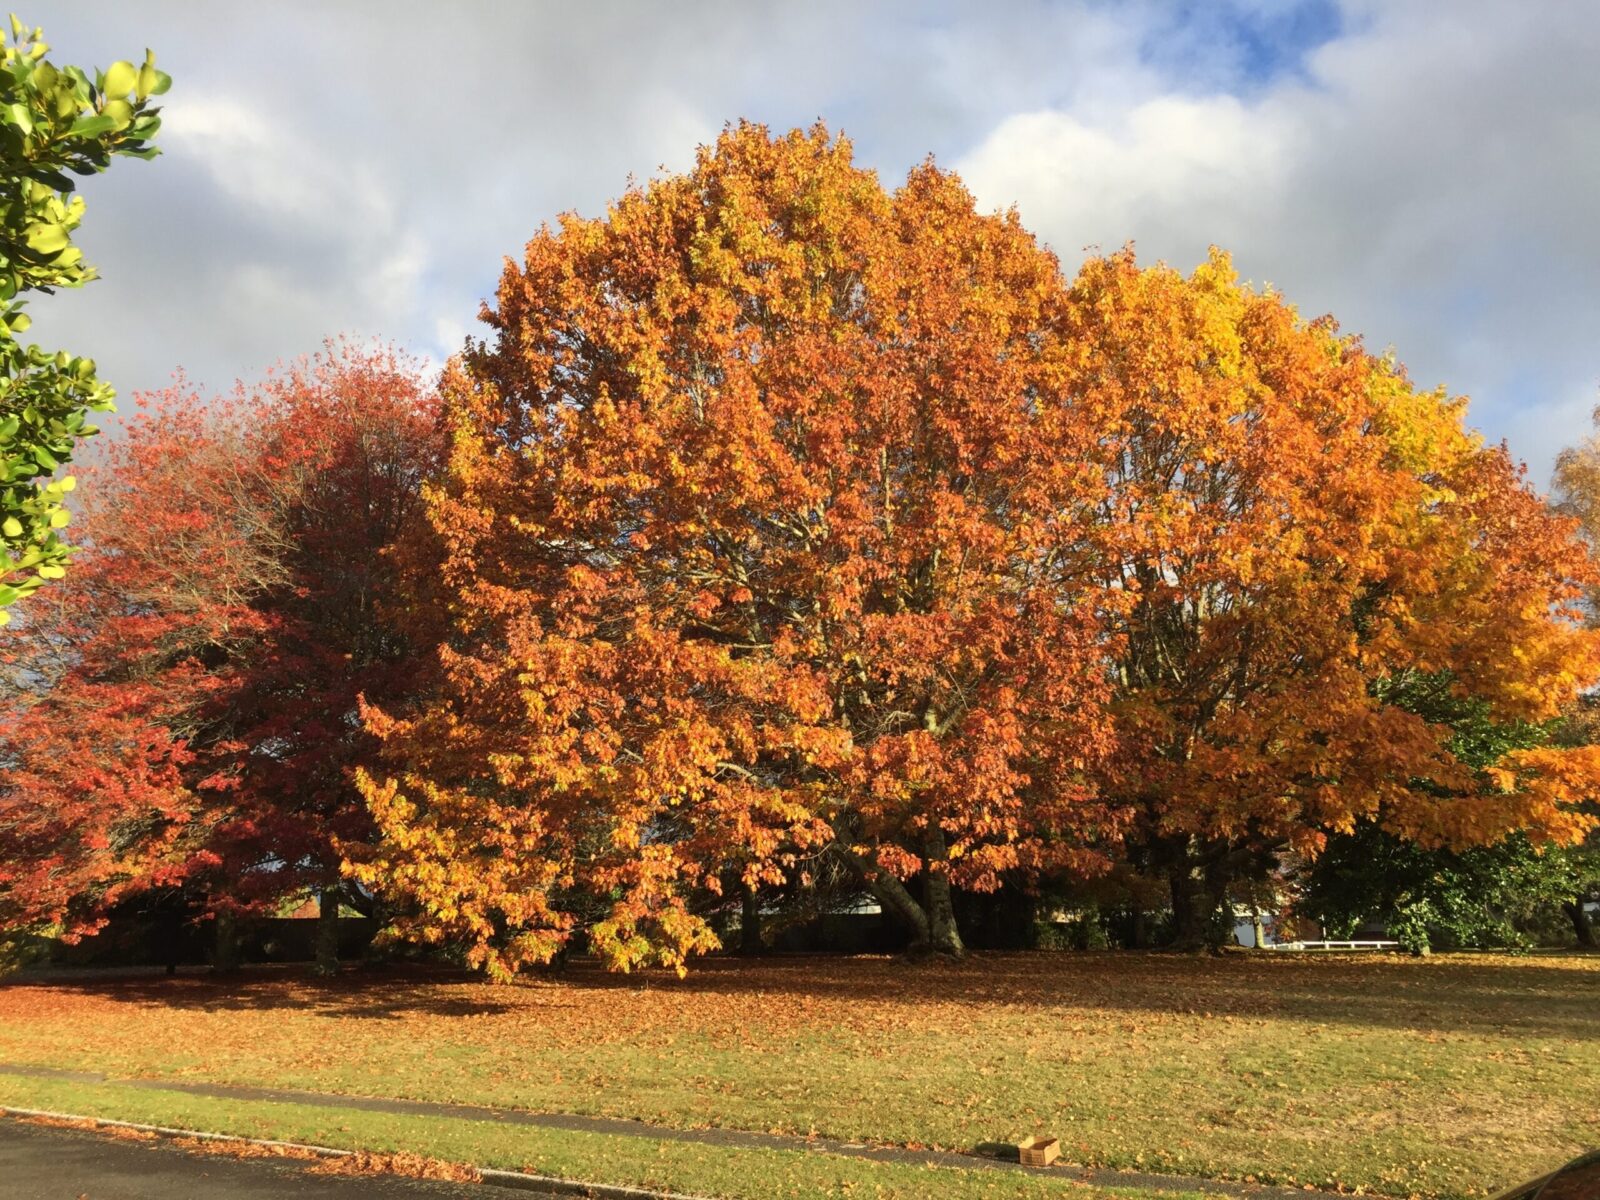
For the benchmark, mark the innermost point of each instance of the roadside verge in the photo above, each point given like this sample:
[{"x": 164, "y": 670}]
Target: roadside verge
[{"x": 651, "y": 1160}]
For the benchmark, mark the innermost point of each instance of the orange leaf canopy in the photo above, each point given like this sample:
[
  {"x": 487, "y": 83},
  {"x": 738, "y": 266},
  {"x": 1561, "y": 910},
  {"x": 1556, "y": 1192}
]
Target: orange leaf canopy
[
  {"x": 1291, "y": 529},
  {"x": 762, "y": 527},
  {"x": 787, "y": 516}
]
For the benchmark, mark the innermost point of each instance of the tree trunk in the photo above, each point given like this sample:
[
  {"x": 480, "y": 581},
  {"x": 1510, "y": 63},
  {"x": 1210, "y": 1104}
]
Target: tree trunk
[
  {"x": 1199, "y": 885},
  {"x": 1188, "y": 910},
  {"x": 750, "y": 922},
  {"x": 1139, "y": 933},
  {"x": 171, "y": 931},
  {"x": 1197, "y": 894},
  {"x": 1581, "y": 924},
  {"x": 943, "y": 936},
  {"x": 932, "y": 924},
  {"x": 328, "y": 901},
  {"x": 890, "y": 893},
  {"x": 225, "y": 955}
]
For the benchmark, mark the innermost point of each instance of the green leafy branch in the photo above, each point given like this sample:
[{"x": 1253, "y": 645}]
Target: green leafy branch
[{"x": 55, "y": 123}]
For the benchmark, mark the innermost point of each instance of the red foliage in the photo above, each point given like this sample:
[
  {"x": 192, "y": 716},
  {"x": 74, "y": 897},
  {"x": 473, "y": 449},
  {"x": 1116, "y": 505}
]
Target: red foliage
[{"x": 187, "y": 709}]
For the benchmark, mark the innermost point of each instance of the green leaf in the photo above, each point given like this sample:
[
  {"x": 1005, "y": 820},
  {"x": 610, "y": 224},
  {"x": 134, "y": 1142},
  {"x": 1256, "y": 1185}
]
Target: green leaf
[
  {"x": 59, "y": 123},
  {"x": 53, "y": 179},
  {"x": 92, "y": 126},
  {"x": 120, "y": 79},
  {"x": 47, "y": 239}
]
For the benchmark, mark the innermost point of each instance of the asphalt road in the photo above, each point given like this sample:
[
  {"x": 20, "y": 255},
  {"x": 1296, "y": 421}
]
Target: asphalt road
[{"x": 42, "y": 1163}]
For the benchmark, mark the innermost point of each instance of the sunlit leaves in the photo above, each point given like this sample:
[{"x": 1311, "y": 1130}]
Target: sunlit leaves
[
  {"x": 788, "y": 517},
  {"x": 755, "y": 548},
  {"x": 1288, "y": 527},
  {"x": 185, "y": 712},
  {"x": 55, "y": 123}
]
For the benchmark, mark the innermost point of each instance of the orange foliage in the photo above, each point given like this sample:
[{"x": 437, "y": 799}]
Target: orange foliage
[
  {"x": 788, "y": 517},
  {"x": 761, "y": 527},
  {"x": 1286, "y": 525}
]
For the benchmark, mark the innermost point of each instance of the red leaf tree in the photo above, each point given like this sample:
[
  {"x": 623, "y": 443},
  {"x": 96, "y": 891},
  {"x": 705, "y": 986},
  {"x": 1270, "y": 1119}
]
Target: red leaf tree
[{"x": 186, "y": 713}]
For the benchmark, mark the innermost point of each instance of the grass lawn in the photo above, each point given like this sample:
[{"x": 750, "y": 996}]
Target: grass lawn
[
  {"x": 668, "y": 1166},
  {"x": 1440, "y": 1077}
]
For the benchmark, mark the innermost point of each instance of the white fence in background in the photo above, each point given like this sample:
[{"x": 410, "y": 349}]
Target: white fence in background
[{"x": 1375, "y": 945}]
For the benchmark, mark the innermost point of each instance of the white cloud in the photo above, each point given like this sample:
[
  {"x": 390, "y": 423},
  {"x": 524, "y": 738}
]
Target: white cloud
[
  {"x": 1181, "y": 172},
  {"x": 1428, "y": 173},
  {"x": 264, "y": 167},
  {"x": 1432, "y": 182}
]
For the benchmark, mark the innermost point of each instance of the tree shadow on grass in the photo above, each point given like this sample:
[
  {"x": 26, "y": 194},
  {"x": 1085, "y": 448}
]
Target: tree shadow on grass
[
  {"x": 374, "y": 994},
  {"x": 1484, "y": 995},
  {"x": 1458, "y": 993}
]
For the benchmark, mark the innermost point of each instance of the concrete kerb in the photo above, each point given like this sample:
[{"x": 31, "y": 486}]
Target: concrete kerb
[{"x": 616, "y": 1126}]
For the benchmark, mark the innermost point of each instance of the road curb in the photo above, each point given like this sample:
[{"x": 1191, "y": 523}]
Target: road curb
[{"x": 492, "y": 1176}]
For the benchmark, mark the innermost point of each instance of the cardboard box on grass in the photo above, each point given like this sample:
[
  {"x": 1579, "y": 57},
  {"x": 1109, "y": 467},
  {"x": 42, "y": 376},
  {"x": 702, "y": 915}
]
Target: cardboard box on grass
[{"x": 1038, "y": 1151}]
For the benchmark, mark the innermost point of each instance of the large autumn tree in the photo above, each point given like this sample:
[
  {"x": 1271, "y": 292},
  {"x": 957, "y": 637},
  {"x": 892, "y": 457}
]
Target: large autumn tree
[
  {"x": 1576, "y": 493},
  {"x": 787, "y": 517},
  {"x": 1301, "y": 540},
  {"x": 184, "y": 714},
  {"x": 763, "y": 524}
]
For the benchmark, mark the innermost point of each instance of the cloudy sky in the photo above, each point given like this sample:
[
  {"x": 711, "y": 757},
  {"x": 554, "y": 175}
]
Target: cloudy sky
[{"x": 1427, "y": 172}]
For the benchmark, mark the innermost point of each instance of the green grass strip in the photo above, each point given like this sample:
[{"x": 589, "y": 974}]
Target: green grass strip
[{"x": 731, "y": 1174}]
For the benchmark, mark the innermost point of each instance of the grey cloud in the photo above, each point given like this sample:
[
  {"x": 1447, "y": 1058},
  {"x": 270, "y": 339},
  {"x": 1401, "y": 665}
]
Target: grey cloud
[
  {"x": 363, "y": 167},
  {"x": 1432, "y": 182}
]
